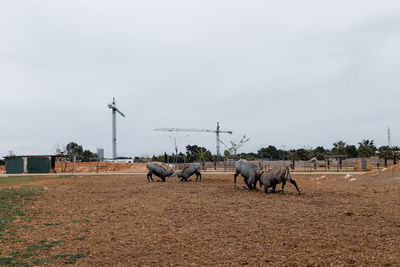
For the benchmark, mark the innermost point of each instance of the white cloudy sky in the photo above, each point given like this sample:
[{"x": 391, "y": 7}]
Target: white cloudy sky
[{"x": 293, "y": 73}]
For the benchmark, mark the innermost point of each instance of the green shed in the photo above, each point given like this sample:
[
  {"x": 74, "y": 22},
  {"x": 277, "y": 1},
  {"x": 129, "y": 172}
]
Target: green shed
[
  {"x": 14, "y": 165},
  {"x": 33, "y": 164},
  {"x": 38, "y": 165}
]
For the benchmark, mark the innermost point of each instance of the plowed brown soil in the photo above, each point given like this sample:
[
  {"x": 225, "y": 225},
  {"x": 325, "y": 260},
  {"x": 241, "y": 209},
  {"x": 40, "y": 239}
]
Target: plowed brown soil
[
  {"x": 103, "y": 166},
  {"x": 125, "y": 221}
]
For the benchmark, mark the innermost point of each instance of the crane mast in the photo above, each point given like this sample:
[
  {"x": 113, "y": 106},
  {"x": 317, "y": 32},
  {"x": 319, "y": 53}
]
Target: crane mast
[{"x": 114, "y": 111}]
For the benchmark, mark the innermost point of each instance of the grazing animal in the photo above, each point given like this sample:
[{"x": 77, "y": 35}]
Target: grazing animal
[
  {"x": 157, "y": 170},
  {"x": 250, "y": 173},
  {"x": 193, "y": 168},
  {"x": 277, "y": 176}
]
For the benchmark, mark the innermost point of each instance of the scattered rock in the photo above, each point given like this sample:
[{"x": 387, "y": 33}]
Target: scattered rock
[
  {"x": 352, "y": 179},
  {"x": 347, "y": 176},
  {"x": 351, "y": 261},
  {"x": 348, "y": 213}
]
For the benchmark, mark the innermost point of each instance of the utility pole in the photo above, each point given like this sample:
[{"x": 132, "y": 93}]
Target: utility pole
[{"x": 218, "y": 142}]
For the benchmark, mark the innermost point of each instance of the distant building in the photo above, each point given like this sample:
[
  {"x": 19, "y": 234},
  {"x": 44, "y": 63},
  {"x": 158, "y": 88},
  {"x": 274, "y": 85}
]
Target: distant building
[
  {"x": 130, "y": 160},
  {"x": 100, "y": 153}
]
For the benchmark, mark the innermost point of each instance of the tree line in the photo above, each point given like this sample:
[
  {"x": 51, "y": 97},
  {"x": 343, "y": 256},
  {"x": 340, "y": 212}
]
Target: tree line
[
  {"x": 194, "y": 153},
  {"x": 340, "y": 151}
]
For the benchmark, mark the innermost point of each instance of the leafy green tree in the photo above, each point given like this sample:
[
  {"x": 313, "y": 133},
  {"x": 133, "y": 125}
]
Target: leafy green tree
[
  {"x": 282, "y": 154},
  {"x": 366, "y": 148},
  {"x": 248, "y": 156},
  {"x": 319, "y": 153},
  {"x": 269, "y": 152},
  {"x": 385, "y": 153},
  {"x": 73, "y": 148},
  {"x": 302, "y": 154},
  {"x": 181, "y": 158},
  {"x": 191, "y": 151},
  {"x": 161, "y": 158},
  {"x": 87, "y": 155},
  {"x": 351, "y": 151},
  {"x": 197, "y": 153}
]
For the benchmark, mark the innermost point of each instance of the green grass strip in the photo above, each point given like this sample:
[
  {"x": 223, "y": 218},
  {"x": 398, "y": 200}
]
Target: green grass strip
[{"x": 12, "y": 202}]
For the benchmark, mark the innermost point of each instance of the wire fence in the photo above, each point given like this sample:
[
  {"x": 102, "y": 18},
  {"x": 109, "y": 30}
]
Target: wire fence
[{"x": 327, "y": 165}]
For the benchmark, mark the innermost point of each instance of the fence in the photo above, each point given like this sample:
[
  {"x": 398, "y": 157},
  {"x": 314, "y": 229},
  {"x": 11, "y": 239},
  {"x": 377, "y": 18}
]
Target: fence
[{"x": 331, "y": 165}]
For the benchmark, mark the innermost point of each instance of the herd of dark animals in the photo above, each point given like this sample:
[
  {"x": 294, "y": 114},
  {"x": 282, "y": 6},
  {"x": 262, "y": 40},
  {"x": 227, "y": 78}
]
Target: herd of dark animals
[
  {"x": 250, "y": 172},
  {"x": 163, "y": 173}
]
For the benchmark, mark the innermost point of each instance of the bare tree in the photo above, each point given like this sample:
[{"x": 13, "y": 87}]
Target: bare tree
[
  {"x": 234, "y": 147},
  {"x": 59, "y": 150},
  {"x": 177, "y": 140}
]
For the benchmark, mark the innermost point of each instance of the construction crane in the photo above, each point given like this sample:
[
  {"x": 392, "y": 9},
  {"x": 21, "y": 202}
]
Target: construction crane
[
  {"x": 114, "y": 111},
  {"x": 217, "y": 132}
]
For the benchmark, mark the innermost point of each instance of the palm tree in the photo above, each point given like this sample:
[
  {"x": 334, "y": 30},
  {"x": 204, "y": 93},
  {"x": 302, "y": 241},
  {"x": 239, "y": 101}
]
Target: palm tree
[
  {"x": 385, "y": 153},
  {"x": 339, "y": 148},
  {"x": 366, "y": 148}
]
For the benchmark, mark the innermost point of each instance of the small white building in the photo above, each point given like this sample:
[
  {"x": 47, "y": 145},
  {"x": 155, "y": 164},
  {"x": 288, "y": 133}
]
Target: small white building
[{"x": 129, "y": 160}]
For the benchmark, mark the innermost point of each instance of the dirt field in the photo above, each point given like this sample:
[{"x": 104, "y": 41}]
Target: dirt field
[{"x": 125, "y": 221}]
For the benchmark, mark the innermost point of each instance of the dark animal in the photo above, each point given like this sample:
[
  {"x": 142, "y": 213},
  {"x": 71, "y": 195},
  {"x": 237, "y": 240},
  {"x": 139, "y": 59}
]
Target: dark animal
[
  {"x": 193, "y": 168},
  {"x": 249, "y": 172},
  {"x": 277, "y": 176},
  {"x": 157, "y": 170}
]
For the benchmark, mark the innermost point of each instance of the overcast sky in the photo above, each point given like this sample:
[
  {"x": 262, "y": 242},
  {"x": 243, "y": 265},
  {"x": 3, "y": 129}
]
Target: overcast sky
[{"x": 293, "y": 73}]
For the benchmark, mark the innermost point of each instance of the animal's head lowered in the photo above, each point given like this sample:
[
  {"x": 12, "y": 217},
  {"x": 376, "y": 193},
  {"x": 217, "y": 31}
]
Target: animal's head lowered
[
  {"x": 177, "y": 174},
  {"x": 258, "y": 176},
  {"x": 169, "y": 173}
]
